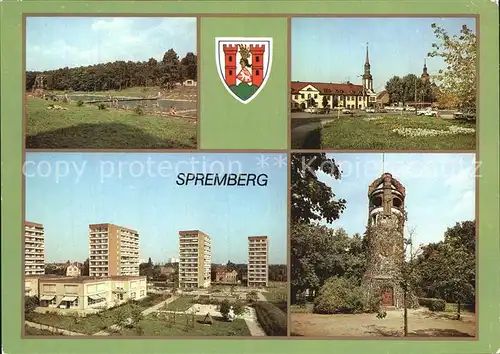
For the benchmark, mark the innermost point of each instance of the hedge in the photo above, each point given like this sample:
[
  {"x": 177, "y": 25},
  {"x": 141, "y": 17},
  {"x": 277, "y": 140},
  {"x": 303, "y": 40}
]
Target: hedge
[
  {"x": 432, "y": 304},
  {"x": 271, "y": 318}
]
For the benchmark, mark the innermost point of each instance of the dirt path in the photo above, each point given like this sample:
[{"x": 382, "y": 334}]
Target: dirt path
[{"x": 421, "y": 323}]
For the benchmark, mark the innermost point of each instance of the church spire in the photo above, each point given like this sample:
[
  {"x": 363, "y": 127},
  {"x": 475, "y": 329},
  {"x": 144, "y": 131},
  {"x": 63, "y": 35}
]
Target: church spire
[
  {"x": 367, "y": 59},
  {"x": 367, "y": 76},
  {"x": 425, "y": 75}
]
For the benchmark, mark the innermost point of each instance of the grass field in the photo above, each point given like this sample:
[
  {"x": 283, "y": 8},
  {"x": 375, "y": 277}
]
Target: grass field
[
  {"x": 91, "y": 128},
  {"x": 92, "y": 323},
  {"x": 357, "y": 133},
  {"x": 31, "y": 331},
  {"x": 182, "y": 303},
  {"x": 152, "y": 326}
]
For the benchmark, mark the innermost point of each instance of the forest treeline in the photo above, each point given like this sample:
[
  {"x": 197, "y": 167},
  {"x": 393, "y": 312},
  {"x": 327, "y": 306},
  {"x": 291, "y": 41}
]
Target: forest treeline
[{"x": 120, "y": 75}]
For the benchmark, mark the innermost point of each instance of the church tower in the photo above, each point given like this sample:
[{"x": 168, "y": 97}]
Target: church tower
[
  {"x": 367, "y": 76},
  {"x": 425, "y": 75},
  {"x": 385, "y": 241}
]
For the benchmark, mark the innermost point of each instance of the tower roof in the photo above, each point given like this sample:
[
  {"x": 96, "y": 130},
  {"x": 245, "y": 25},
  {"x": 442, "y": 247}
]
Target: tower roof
[
  {"x": 425, "y": 74},
  {"x": 387, "y": 177},
  {"x": 367, "y": 58}
]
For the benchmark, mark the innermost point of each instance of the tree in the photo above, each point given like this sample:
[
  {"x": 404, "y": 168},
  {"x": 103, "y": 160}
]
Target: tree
[
  {"x": 410, "y": 276},
  {"x": 457, "y": 281},
  {"x": 224, "y": 309},
  {"x": 318, "y": 253},
  {"x": 394, "y": 88},
  {"x": 312, "y": 199},
  {"x": 448, "y": 267},
  {"x": 135, "y": 315},
  {"x": 189, "y": 66},
  {"x": 409, "y": 88},
  {"x": 30, "y": 304},
  {"x": 459, "y": 53}
]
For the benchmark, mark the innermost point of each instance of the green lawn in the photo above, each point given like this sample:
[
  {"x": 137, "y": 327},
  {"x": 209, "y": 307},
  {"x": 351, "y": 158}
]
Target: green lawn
[
  {"x": 89, "y": 127},
  {"x": 153, "y": 326},
  {"x": 357, "y": 133},
  {"x": 92, "y": 323},
  {"x": 31, "y": 331},
  {"x": 181, "y": 304}
]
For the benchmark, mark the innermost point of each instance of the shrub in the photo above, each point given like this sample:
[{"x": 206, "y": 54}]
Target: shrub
[
  {"x": 239, "y": 308},
  {"x": 101, "y": 106},
  {"x": 252, "y": 296},
  {"x": 301, "y": 299},
  {"x": 432, "y": 304},
  {"x": 139, "y": 110},
  {"x": 339, "y": 295},
  {"x": 224, "y": 309},
  {"x": 272, "y": 319},
  {"x": 79, "y": 103}
]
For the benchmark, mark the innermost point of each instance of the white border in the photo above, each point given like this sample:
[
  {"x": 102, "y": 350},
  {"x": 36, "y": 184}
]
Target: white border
[{"x": 237, "y": 39}]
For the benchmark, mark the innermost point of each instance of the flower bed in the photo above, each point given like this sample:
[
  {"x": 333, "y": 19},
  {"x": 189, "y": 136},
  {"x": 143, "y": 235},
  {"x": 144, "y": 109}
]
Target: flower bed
[{"x": 416, "y": 132}]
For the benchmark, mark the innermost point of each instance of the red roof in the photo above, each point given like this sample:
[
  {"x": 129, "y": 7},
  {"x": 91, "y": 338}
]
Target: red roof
[
  {"x": 381, "y": 94},
  {"x": 329, "y": 88}
]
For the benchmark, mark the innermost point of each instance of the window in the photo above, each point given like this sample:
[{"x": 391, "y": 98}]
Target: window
[
  {"x": 308, "y": 95},
  {"x": 49, "y": 288},
  {"x": 302, "y": 95},
  {"x": 257, "y": 59},
  {"x": 71, "y": 289},
  {"x": 257, "y": 72},
  {"x": 132, "y": 295},
  {"x": 315, "y": 95},
  {"x": 142, "y": 292},
  {"x": 230, "y": 72},
  {"x": 230, "y": 58}
]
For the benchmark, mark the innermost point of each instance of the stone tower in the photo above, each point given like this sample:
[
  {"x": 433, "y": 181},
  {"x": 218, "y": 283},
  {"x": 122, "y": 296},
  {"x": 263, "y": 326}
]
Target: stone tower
[
  {"x": 385, "y": 240},
  {"x": 367, "y": 76}
]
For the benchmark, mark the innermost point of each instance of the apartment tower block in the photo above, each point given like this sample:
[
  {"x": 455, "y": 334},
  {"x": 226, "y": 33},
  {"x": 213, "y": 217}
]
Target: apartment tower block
[
  {"x": 195, "y": 251},
  {"x": 114, "y": 251},
  {"x": 34, "y": 249},
  {"x": 258, "y": 249}
]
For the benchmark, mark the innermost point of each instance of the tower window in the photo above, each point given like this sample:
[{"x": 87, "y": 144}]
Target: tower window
[
  {"x": 397, "y": 202},
  {"x": 257, "y": 59},
  {"x": 257, "y": 72},
  {"x": 230, "y": 72},
  {"x": 230, "y": 58},
  {"x": 377, "y": 202}
]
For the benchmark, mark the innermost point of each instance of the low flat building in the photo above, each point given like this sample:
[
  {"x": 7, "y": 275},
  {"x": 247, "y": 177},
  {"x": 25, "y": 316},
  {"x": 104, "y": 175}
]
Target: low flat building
[{"x": 87, "y": 293}]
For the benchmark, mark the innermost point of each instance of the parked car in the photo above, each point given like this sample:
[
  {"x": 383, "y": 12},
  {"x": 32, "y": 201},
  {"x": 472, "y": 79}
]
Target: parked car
[
  {"x": 346, "y": 111},
  {"x": 370, "y": 110},
  {"x": 465, "y": 114},
  {"x": 431, "y": 113}
]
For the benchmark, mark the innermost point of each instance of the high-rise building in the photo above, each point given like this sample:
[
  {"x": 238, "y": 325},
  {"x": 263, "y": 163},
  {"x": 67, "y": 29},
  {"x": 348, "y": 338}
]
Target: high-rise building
[
  {"x": 114, "y": 251},
  {"x": 195, "y": 250},
  {"x": 258, "y": 247},
  {"x": 34, "y": 248}
]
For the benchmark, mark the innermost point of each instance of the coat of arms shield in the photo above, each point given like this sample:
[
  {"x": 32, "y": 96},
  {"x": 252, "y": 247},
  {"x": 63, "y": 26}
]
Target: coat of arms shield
[{"x": 243, "y": 65}]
